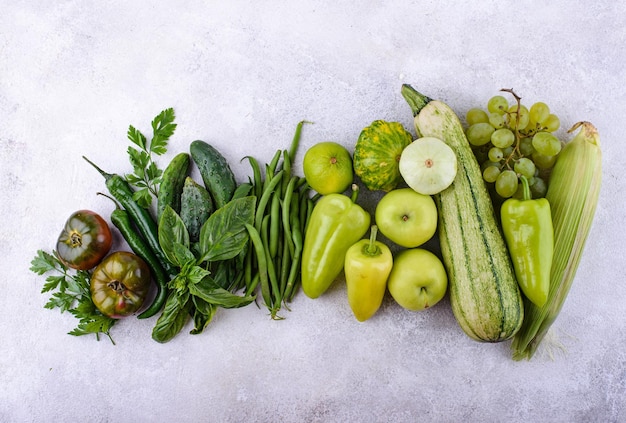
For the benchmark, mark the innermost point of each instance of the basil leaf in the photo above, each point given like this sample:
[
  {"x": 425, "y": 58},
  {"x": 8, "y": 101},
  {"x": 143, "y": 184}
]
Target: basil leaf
[
  {"x": 182, "y": 254},
  {"x": 172, "y": 230},
  {"x": 242, "y": 190},
  {"x": 224, "y": 233},
  {"x": 211, "y": 293},
  {"x": 196, "y": 274},
  {"x": 173, "y": 318},
  {"x": 203, "y": 315},
  {"x": 228, "y": 273}
]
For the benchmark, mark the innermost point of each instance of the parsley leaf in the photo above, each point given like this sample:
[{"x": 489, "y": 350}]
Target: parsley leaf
[
  {"x": 70, "y": 292},
  {"x": 146, "y": 176},
  {"x": 43, "y": 263}
]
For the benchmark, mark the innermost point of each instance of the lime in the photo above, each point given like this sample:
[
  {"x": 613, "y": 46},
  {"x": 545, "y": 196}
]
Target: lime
[{"x": 327, "y": 167}]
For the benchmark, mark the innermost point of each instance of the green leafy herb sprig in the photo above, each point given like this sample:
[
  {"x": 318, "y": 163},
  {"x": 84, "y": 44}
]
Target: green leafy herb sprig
[
  {"x": 146, "y": 175},
  {"x": 211, "y": 270},
  {"x": 71, "y": 294}
]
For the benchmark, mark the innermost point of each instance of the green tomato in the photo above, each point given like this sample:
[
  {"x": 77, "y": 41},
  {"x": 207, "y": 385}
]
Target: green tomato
[
  {"x": 120, "y": 284},
  {"x": 84, "y": 241}
]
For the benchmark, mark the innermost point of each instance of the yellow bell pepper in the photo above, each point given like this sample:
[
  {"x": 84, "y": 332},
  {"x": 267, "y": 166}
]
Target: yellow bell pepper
[{"x": 367, "y": 266}]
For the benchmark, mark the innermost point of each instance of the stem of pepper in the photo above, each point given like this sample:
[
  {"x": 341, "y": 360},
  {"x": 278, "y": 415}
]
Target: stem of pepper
[
  {"x": 371, "y": 249},
  {"x": 355, "y": 193},
  {"x": 525, "y": 188}
]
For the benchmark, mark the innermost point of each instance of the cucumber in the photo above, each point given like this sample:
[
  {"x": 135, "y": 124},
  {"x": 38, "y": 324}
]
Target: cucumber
[
  {"x": 196, "y": 207},
  {"x": 217, "y": 176},
  {"x": 484, "y": 293},
  {"x": 172, "y": 182}
]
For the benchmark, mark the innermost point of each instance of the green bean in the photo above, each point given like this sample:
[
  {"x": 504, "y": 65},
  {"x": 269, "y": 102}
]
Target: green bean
[
  {"x": 285, "y": 265},
  {"x": 257, "y": 243},
  {"x": 304, "y": 197},
  {"x": 296, "y": 140},
  {"x": 260, "y": 212},
  {"x": 273, "y": 165},
  {"x": 270, "y": 169},
  {"x": 247, "y": 270},
  {"x": 283, "y": 207},
  {"x": 275, "y": 223},
  {"x": 271, "y": 269},
  {"x": 257, "y": 178},
  {"x": 303, "y": 185},
  {"x": 286, "y": 211},
  {"x": 287, "y": 168},
  {"x": 253, "y": 284},
  {"x": 295, "y": 264}
]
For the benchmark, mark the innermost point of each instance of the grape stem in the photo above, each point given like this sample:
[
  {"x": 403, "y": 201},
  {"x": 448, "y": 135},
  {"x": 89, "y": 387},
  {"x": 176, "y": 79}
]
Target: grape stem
[{"x": 518, "y": 100}]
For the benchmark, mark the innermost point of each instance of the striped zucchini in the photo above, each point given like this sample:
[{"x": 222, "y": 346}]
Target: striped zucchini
[{"x": 484, "y": 294}]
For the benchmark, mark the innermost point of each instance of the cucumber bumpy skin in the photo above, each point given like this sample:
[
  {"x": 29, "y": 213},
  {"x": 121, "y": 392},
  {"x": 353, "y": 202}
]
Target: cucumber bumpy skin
[
  {"x": 217, "y": 176},
  {"x": 196, "y": 207},
  {"x": 171, "y": 186}
]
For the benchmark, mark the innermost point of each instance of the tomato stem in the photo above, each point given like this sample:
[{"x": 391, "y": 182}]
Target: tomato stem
[
  {"x": 116, "y": 286},
  {"x": 76, "y": 239}
]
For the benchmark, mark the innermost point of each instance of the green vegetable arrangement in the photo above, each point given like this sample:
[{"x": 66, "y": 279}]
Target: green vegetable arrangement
[
  {"x": 511, "y": 210},
  {"x": 209, "y": 244}
]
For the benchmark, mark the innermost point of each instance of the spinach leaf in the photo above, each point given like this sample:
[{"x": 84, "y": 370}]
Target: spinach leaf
[{"x": 224, "y": 234}]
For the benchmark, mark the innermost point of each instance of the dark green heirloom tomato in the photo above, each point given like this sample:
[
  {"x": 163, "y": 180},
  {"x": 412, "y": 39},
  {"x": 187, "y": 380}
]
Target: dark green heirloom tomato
[
  {"x": 120, "y": 284},
  {"x": 84, "y": 241}
]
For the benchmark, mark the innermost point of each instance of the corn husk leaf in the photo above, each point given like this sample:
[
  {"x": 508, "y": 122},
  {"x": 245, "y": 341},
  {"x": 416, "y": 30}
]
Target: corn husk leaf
[{"x": 573, "y": 193}]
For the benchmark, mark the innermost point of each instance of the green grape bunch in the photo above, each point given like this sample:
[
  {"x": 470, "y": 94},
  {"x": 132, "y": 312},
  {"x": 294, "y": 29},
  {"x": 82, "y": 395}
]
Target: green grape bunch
[{"x": 511, "y": 141}]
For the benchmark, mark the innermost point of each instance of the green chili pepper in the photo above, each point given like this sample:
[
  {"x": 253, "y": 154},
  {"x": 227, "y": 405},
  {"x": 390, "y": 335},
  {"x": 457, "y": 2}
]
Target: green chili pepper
[
  {"x": 122, "y": 192},
  {"x": 528, "y": 231},
  {"x": 336, "y": 223},
  {"x": 122, "y": 221},
  {"x": 367, "y": 267}
]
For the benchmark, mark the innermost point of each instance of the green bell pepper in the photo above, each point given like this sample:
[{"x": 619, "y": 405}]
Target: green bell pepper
[
  {"x": 335, "y": 224},
  {"x": 367, "y": 268},
  {"x": 529, "y": 235}
]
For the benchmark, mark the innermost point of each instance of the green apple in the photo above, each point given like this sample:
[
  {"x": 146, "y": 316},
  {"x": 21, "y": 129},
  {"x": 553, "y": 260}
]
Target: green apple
[
  {"x": 327, "y": 167},
  {"x": 418, "y": 279},
  {"x": 407, "y": 217}
]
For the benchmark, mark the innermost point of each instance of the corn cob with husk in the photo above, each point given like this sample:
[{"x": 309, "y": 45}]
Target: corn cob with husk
[{"x": 573, "y": 193}]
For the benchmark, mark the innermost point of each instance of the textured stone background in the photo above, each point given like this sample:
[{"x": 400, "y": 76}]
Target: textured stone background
[{"x": 241, "y": 74}]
